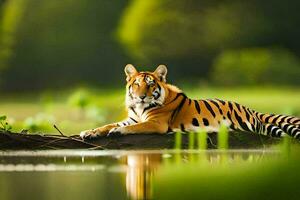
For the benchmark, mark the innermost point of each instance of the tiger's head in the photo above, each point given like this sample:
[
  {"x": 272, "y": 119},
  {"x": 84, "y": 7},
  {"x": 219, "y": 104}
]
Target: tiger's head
[{"x": 145, "y": 88}]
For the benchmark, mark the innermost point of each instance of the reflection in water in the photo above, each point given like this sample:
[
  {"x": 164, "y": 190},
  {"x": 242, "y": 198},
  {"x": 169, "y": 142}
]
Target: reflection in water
[
  {"x": 100, "y": 174},
  {"x": 142, "y": 167},
  {"x": 139, "y": 175}
]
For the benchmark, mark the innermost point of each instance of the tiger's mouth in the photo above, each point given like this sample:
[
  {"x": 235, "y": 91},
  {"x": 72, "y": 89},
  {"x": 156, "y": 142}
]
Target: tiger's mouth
[{"x": 143, "y": 102}]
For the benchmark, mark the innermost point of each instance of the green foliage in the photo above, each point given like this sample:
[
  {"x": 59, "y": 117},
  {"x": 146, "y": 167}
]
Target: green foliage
[
  {"x": 95, "y": 113},
  {"x": 41, "y": 122},
  {"x": 178, "y": 139},
  {"x": 256, "y": 66},
  {"x": 192, "y": 140},
  {"x": 202, "y": 140},
  {"x": 80, "y": 98},
  {"x": 241, "y": 180},
  {"x": 76, "y": 41},
  {"x": 179, "y": 28},
  {"x": 4, "y": 125},
  {"x": 61, "y": 42},
  {"x": 223, "y": 137},
  {"x": 188, "y": 34},
  {"x": 242, "y": 175},
  {"x": 11, "y": 17}
]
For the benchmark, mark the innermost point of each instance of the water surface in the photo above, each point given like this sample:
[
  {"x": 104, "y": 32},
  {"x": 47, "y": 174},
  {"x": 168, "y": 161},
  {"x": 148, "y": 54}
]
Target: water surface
[{"x": 82, "y": 174}]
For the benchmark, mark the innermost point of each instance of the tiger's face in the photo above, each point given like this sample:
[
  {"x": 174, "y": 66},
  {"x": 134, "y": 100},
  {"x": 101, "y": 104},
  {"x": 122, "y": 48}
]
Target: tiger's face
[{"x": 145, "y": 88}]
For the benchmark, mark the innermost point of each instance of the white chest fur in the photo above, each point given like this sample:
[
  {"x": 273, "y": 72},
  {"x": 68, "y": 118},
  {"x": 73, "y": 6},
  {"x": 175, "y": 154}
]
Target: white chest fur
[{"x": 139, "y": 109}]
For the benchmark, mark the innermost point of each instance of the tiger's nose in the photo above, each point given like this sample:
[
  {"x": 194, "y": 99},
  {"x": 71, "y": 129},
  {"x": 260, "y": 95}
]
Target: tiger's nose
[{"x": 143, "y": 97}]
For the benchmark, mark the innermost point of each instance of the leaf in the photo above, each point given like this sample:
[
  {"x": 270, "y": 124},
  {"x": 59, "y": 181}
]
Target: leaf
[
  {"x": 8, "y": 127},
  {"x": 2, "y": 118}
]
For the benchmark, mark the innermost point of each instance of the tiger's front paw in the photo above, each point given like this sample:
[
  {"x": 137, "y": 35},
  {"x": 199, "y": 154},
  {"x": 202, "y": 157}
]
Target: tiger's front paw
[
  {"x": 117, "y": 131},
  {"x": 90, "y": 134}
]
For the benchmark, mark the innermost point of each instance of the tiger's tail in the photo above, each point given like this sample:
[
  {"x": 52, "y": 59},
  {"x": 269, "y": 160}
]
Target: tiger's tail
[{"x": 275, "y": 124}]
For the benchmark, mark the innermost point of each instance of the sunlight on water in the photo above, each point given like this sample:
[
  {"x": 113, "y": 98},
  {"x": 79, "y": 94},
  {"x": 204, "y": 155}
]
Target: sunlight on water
[{"x": 49, "y": 168}]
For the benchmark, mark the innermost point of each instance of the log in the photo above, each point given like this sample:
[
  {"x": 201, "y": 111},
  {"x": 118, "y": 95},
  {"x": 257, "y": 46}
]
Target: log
[{"x": 24, "y": 141}]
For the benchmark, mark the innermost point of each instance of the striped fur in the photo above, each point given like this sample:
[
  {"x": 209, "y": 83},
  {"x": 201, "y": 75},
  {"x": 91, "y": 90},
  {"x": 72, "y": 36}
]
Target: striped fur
[{"x": 157, "y": 107}]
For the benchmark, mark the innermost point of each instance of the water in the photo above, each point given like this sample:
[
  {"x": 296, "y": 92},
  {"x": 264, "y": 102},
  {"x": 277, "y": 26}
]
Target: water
[{"x": 73, "y": 174}]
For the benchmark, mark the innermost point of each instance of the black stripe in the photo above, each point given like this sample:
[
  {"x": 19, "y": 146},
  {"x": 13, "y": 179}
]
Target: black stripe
[
  {"x": 293, "y": 132},
  {"x": 275, "y": 119},
  {"x": 284, "y": 127},
  {"x": 263, "y": 128},
  {"x": 288, "y": 120},
  {"x": 229, "y": 116},
  {"x": 177, "y": 95},
  {"x": 190, "y": 101},
  {"x": 209, "y": 108},
  {"x": 298, "y": 120},
  {"x": 133, "y": 119},
  {"x": 195, "y": 122},
  {"x": 159, "y": 87},
  {"x": 267, "y": 118},
  {"x": 238, "y": 107},
  {"x": 247, "y": 115},
  {"x": 281, "y": 120},
  {"x": 179, "y": 107},
  {"x": 290, "y": 127},
  {"x": 133, "y": 110},
  {"x": 258, "y": 125},
  {"x": 182, "y": 128},
  {"x": 279, "y": 134},
  {"x": 205, "y": 122},
  {"x": 269, "y": 129},
  {"x": 254, "y": 121},
  {"x": 215, "y": 103},
  {"x": 259, "y": 115},
  {"x": 253, "y": 127},
  {"x": 222, "y": 102},
  {"x": 240, "y": 121},
  {"x": 158, "y": 93},
  {"x": 197, "y": 106},
  {"x": 230, "y": 106},
  {"x": 230, "y": 119},
  {"x": 151, "y": 105},
  {"x": 274, "y": 130},
  {"x": 221, "y": 112},
  {"x": 284, "y": 118},
  {"x": 232, "y": 126}
]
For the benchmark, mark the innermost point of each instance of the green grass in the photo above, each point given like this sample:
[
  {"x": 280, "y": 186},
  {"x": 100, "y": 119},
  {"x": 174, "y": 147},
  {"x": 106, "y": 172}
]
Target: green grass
[
  {"x": 226, "y": 175},
  {"x": 265, "y": 180},
  {"x": 107, "y": 106}
]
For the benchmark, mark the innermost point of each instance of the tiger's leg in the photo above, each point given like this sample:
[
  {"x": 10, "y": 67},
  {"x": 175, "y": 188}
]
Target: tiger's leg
[
  {"x": 271, "y": 130},
  {"x": 143, "y": 127},
  {"x": 104, "y": 130},
  {"x": 291, "y": 129}
]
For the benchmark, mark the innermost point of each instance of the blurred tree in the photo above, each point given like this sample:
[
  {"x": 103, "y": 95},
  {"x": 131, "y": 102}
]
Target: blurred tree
[
  {"x": 189, "y": 34},
  {"x": 256, "y": 66},
  {"x": 63, "y": 43},
  {"x": 10, "y": 20}
]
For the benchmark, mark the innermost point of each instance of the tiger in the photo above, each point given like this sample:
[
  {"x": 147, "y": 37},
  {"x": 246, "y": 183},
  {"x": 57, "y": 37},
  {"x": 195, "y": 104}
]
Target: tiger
[{"x": 155, "y": 106}]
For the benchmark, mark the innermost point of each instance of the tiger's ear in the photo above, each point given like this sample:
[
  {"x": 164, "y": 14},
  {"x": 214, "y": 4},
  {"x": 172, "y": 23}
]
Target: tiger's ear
[
  {"x": 130, "y": 71},
  {"x": 161, "y": 72}
]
